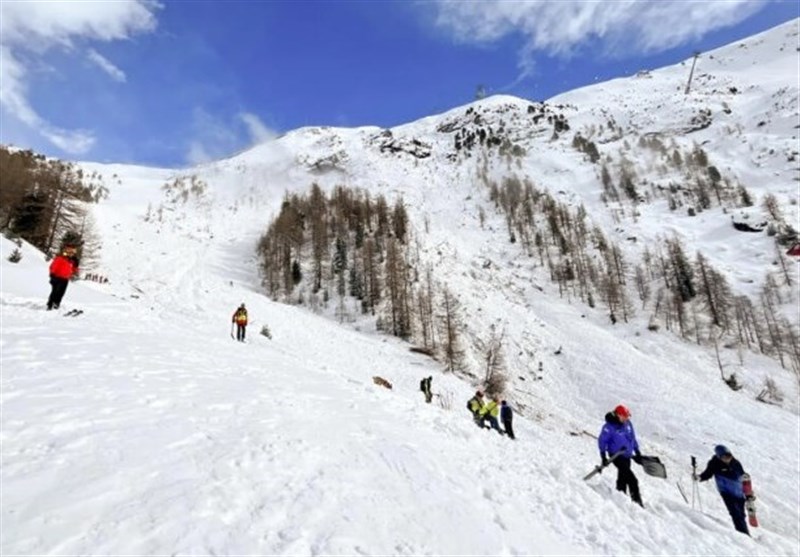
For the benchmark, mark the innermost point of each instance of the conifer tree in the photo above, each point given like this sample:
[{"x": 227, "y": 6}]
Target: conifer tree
[
  {"x": 450, "y": 325},
  {"x": 681, "y": 271}
]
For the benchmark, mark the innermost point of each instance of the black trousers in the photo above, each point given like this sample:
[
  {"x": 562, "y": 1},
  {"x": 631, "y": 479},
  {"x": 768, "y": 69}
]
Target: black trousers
[
  {"x": 58, "y": 287},
  {"x": 509, "y": 429},
  {"x": 626, "y": 480},
  {"x": 240, "y": 329},
  {"x": 735, "y": 507}
]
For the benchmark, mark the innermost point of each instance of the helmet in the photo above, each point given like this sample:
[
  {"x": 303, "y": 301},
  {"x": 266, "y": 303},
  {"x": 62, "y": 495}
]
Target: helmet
[
  {"x": 622, "y": 411},
  {"x": 721, "y": 450},
  {"x": 241, "y": 306}
]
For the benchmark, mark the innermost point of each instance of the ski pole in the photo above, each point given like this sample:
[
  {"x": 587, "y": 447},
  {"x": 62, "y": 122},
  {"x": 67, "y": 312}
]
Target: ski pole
[
  {"x": 680, "y": 488},
  {"x": 695, "y": 488}
]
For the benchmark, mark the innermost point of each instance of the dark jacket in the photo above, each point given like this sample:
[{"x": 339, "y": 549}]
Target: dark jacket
[
  {"x": 240, "y": 316},
  {"x": 425, "y": 385},
  {"x": 727, "y": 476},
  {"x": 505, "y": 412},
  {"x": 616, "y": 436}
]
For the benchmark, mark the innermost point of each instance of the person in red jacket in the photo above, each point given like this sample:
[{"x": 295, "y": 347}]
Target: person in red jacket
[
  {"x": 62, "y": 269},
  {"x": 240, "y": 318}
]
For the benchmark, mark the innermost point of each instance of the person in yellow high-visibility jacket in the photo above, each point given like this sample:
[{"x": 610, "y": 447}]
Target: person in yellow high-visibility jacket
[
  {"x": 474, "y": 405},
  {"x": 490, "y": 412}
]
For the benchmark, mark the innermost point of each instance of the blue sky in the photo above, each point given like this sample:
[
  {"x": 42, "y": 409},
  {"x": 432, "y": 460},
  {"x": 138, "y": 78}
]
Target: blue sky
[{"x": 182, "y": 82}]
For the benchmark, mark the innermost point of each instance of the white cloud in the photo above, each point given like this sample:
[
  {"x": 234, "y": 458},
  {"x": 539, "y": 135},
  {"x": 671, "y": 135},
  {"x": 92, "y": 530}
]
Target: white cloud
[
  {"x": 13, "y": 94},
  {"x": 258, "y": 131},
  {"x": 213, "y": 138},
  {"x": 560, "y": 28},
  {"x": 197, "y": 154},
  {"x": 106, "y": 65},
  {"x": 44, "y": 24},
  {"x": 35, "y": 27},
  {"x": 216, "y": 137}
]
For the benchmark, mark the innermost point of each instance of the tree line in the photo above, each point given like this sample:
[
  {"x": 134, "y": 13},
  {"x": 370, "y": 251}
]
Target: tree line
[
  {"x": 683, "y": 294},
  {"x": 45, "y": 202},
  {"x": 330, "y": 250}
]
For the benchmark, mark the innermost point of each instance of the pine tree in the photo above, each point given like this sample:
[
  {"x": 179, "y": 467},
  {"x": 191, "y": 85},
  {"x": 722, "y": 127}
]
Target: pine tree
[
  {"x": 91, "y": 245},
  {"x": 400, "y": 221},
  {"x": 450, "y": 325},
  {"x": 715, "y": 292},
  {"x": 495, "y": 378},
  {"x": 681, "y": 270}
]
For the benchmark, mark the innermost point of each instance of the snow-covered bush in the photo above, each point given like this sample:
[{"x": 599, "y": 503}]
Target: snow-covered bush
[{"x": 770, "y": 392}]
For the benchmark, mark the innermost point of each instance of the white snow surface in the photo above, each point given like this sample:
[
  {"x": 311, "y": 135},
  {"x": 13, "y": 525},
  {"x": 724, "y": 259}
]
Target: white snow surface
[{"x": 141, "y": 428}]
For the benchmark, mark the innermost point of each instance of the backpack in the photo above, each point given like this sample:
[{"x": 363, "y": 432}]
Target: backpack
[{"x": 422, "y": 385}]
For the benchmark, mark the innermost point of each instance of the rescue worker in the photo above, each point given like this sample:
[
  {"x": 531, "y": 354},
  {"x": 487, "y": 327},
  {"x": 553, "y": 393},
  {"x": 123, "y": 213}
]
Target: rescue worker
[
  {"x": 490, "y": 412},
  {"x": 240, "y": 319},
  {"x": 618, "y": 435},
  {"x": 474, "y": 405},
  {"x": 425, "y": 387},
  {"x": 63, "y": 267},
  {"x": 506, "y": 416},
  {"x": 728, "y": 472}
]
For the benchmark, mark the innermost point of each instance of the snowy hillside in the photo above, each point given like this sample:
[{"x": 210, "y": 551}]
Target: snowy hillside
[{"x": 140, "y": 427}]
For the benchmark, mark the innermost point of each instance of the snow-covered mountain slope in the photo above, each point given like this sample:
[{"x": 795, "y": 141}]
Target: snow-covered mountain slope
[{"x": 141, "y": 427}]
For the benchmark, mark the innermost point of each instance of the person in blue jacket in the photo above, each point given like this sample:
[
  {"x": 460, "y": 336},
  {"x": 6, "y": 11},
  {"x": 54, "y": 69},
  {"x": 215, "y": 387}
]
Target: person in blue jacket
[
  {"x": 507, "y": 416},
  {"x": 618, "y": 435},
  {"x": 728, "y": 472}
]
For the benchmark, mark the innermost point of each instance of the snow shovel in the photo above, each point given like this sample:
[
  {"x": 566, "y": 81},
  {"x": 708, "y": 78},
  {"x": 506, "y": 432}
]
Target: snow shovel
[
  {"x": 599, "y": 468},
  {"x": 653, "y": 467}
]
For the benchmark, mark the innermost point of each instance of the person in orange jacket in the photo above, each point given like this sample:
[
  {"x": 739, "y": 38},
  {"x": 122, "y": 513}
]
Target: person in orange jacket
[
  {"x": 240, "y": 318},
  {"x": 63, "y": 267}
]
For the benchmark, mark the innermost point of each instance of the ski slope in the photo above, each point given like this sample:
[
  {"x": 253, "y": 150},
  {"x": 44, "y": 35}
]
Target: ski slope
[{"x": 141, "y": 427}]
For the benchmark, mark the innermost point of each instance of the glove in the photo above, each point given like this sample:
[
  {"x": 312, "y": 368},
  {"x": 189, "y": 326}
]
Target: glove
[
  {"x": 637, "y": 458},
  {"x": 694, "y": 477},
  {"x": 604, "y": 461},
  {"x": 750, "y": 498}
]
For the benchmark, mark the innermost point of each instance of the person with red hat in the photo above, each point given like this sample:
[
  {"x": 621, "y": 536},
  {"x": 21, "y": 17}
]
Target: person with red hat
[
  {"x": 618, "y": 435},
  {"x": 63, "y": 267}
]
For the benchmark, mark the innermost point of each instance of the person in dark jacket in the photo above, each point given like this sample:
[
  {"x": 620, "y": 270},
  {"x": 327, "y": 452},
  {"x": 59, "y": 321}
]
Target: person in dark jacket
[
  {"x": 425, "y": 387},
  {"x": 240, "y": 318},
  {"x": 618, "y": 435},
  {"x": 506, "y": 416},
  {"x": 728, "y": 472},
  {"x": 63, "y": 267}
]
